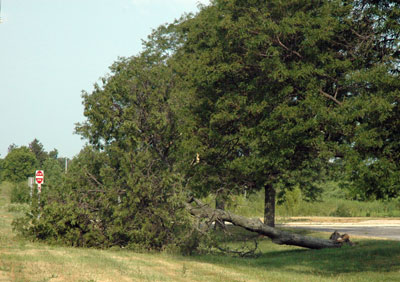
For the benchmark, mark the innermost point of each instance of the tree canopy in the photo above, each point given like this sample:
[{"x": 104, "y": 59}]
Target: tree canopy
[
  {"x": 243, "y": 96},
  {"x": 125, "y": 188},
  {"x": 37, "y": 148},
  {"x": 18, "y": 165},
  {"x": 279, "y": 88}
]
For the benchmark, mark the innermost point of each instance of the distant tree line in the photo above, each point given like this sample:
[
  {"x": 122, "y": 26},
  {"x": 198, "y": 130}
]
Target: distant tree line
[
  {"x": 22, "y": 162},
  {"x": 243, "y": 96}
]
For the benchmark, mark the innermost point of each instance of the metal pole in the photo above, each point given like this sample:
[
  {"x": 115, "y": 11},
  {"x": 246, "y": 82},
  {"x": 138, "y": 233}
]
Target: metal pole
[
  {"x": 31, "y": 180},
  {"x": 31, "y": 194}
]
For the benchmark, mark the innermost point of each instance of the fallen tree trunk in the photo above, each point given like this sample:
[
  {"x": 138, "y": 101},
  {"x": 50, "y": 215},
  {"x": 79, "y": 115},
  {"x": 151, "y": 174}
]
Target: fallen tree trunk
[{"x": 255, "y": 225}]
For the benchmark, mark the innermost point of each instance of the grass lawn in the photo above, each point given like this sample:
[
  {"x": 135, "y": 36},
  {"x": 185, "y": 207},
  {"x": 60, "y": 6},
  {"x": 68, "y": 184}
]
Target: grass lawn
[{"x": 22, "y": 260}]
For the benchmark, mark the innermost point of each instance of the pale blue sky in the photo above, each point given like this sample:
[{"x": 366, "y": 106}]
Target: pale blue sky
[{"x": 51, "y": 50}]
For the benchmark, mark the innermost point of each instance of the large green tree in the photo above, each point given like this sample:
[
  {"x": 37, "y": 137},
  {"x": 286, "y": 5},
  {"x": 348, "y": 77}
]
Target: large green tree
[
  {"x": 273, "y": 88},
  {"x": 372, "y": 168},
  {"x": 19, "y": 164},
  {"x": 123, "y": 190},
  {"x": 130, "y": 120},
  {"x": 37, "y": 148},
  {"x": 245, "y": 95}
]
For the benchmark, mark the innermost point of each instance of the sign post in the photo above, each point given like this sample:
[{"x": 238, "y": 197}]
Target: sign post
[
  {"x": 39, "y": 179},
  {"x": 31, "y": 180}
]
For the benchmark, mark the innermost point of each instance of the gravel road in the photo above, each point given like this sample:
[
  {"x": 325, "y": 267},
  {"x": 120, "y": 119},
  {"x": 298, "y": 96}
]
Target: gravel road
[{"x": 379, "y": 228}]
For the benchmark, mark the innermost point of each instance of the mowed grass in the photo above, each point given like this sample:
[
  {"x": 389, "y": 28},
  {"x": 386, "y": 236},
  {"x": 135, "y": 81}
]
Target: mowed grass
[{"x": 22, "y": 260}]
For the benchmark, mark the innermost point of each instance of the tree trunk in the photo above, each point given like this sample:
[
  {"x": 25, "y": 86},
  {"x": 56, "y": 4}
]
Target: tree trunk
[
  {"x": 220, "y": 205},
  {"x": 255, "y": 225},
  {"x": 269, "y": 205}
]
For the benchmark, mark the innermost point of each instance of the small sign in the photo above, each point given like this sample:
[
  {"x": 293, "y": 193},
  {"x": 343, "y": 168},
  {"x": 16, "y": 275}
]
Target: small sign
[
  {"x": 39, "y": 177},
  {"x": 31, "y": 181}
]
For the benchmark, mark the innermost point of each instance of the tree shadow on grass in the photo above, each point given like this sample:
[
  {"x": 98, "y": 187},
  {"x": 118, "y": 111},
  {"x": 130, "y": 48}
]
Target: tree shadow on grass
[{"x": 366, "y": 256}]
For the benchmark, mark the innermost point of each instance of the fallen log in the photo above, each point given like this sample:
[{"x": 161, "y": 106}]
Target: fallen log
[
  {"x": 198, "y": 209},
  {"x": 341, "y": 238}
]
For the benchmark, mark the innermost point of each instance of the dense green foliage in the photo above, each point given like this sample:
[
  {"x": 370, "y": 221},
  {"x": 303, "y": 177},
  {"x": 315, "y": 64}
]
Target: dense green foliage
[
  {"x": 279, "y": 88},
  {"x": 21, "y": 260},
  {"x": 124, "y": 191},
  {"x": 88, "y": 210},
  {"x": 22, "y": 162},
  {"x": 245, "y": 96},
  {"x": 257, "y": 76},
  {"x": 18, "y": 165},
  {"x": 131, "y": 120},
  {"x": 20, "y": 193},
  {"x": 334, "y": 201},
  {"x": 37, "y": 148},
  {"x": 372, "y": 161}
]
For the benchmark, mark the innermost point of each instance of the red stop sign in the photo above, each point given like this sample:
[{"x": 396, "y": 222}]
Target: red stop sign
[{"x": 39, "y": 176}]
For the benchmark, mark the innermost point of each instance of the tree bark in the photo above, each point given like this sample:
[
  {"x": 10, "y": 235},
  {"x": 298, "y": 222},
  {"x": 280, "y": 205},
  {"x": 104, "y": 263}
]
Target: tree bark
[
  {"x": 255, "y": 225},
  {"x": 269, "y": 205},
  {"x": 220, "y": 205}
]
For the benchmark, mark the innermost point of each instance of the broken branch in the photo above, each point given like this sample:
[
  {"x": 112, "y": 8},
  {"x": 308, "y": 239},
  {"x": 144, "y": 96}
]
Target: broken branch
[{"x": 255, "y": 225}]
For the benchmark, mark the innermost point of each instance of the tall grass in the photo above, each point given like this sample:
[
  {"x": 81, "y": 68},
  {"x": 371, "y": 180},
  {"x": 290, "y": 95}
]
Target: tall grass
[{"x": 333, "y": 202}]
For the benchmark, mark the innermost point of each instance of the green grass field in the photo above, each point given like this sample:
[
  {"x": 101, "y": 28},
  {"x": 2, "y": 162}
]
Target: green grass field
[{"x": 21, "y": 260}]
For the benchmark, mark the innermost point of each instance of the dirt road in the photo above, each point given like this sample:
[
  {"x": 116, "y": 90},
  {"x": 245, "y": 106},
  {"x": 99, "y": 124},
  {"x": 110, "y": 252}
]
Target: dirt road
[{"x": 387, "y": 228}]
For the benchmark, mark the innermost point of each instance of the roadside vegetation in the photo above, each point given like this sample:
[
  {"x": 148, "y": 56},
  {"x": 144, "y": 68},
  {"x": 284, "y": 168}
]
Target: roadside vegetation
[
  {"x": 333, "y": 201},
  {"x": 24, "y": 260},
  {"x": 286, "y": 108}
]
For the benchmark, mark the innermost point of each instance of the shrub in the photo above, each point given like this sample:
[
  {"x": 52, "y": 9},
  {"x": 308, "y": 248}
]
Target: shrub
[
  {"x": 94, "y": 208},
  {"x": 18, "y": 165},
  {"x": 20, "y": 193},
  {"x": 292, "y": 201},
  {"x": 342, "y": 210},
  {"x": 18, "y": 208}
]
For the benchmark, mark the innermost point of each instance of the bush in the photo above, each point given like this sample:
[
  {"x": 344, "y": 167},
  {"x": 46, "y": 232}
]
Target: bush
[
  {"x": 292, "y": 201},
  {"x": 249, "y": 205},
  {"x": 94, "y": 208},
  {"x": 18, "y": 165},
  {"x": 20, "y": 193},
  {"x": 18, "y": 208},
  {"x": 342, "y": 210}
]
